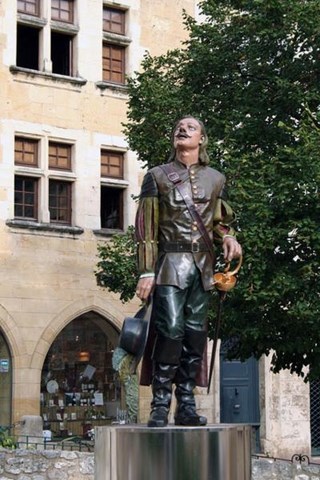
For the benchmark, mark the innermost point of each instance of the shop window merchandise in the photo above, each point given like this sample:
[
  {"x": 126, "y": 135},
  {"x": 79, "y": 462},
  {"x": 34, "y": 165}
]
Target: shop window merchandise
[{"x": 79, "y": 388}]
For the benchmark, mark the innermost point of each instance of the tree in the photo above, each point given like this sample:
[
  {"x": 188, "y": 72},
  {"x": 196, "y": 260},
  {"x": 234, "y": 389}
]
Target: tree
[
  {"x": 251, "y": 72},
  {"x": 116, "y": 269}
]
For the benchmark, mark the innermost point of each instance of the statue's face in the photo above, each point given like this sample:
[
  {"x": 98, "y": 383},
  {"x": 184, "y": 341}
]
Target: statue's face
[{"x": 187, "y": 134}]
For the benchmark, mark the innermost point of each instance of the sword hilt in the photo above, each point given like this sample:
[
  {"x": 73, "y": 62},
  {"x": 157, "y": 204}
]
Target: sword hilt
[{"x": 226, "y": 280}]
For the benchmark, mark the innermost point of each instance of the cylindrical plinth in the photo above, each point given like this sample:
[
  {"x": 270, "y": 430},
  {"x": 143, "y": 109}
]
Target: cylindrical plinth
[{"x": 214, "y": 452}]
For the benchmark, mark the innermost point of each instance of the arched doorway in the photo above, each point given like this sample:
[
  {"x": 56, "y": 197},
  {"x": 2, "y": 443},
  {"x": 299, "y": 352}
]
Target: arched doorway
[
  {"x": 79, "y": 388},
  {"x": 5, "y": 382}
]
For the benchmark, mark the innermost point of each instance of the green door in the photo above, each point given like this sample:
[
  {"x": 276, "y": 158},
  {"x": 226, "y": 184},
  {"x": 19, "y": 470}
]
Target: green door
[{"x": 239, "y": 394}]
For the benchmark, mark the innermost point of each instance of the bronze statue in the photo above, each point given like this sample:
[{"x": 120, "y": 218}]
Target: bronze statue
[{"x": 182, "y": 214}]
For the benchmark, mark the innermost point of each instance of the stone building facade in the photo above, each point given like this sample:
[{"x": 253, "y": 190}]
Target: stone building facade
[{"x": 67, "y": 178}]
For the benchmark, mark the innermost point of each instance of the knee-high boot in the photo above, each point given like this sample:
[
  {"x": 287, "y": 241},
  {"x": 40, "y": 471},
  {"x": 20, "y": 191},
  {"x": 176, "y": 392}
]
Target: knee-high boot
[
  {"x": 166, "y": 357},
  {"x": 192, "y": 351}
]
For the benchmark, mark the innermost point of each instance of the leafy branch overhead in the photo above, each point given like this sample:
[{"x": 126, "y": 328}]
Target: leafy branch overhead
[
  {"x": 251, "y": 72},
  {"x": 117, "y": 269}
]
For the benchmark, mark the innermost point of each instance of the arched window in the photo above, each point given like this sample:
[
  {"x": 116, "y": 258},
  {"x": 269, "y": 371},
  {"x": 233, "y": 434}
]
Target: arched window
[{"x": 79, "y": 388}]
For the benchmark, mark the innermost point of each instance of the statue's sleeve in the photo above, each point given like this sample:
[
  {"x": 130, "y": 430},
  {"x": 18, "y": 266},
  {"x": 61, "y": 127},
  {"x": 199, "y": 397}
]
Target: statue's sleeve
[
  {"x": 146, "y": 226},
  {"x": 223, "y": 218}
]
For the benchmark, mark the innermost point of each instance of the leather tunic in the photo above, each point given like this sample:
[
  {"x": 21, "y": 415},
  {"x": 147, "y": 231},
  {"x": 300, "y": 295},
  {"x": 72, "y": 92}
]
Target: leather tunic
[{"x": 163, "y": 218}]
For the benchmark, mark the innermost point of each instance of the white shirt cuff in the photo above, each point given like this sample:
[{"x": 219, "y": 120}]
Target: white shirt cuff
[{"x": 148, "y": 274}]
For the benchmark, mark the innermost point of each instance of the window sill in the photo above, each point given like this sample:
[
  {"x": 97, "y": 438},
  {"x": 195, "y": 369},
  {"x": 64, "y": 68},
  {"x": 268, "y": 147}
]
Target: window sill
[
  {"x": 62, "y": 175},
  {"x": 44, "y": 227},
  {"x": 32, "y": 20},
  {"x": 112, "y": 86},
  {"x": 49, "y": 76},
  {"x": 116, "y": 39},
  {"x": 108, "y": 232},
  {"x": 64, "y": 27},
  {"x": 113, "y": 182},
  {"x": 28, "y": 171}
]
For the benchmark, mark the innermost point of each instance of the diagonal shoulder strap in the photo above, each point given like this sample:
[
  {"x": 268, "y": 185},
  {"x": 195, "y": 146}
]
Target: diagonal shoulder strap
[{"x": 174, "y": 177}]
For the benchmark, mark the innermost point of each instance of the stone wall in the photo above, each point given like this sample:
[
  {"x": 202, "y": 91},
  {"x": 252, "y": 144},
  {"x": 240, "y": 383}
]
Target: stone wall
[
  {"x": 269, "y": 468},
  {"x": 46, "y": 465},
  {"x": 66, "y": 465},
  {"x": 284, "y": 412}
]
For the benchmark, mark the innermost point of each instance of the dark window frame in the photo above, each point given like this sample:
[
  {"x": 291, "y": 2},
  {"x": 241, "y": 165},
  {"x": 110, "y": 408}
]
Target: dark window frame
[
  {"x": 109, "y": 73},
  {"x": 58, "y": 210},
  {"x": 23, "y": 151},
  {"x": 23, "y": 204},
  {"x": 62, "y": 53},
  {"x": 110, "y": 24},
  {"x": 53, "y": 158},
  {"x": 22, "y": 7},
  {"x": 107, "y": 167},
  {"x": 28, "y": 46},
  {"x": 56, "y": 6},
  {"x": 108, "y": 220}
]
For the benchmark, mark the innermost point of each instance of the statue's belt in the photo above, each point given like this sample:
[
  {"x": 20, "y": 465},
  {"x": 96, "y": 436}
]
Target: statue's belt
[
  {"x": 193, "y": 247},
  {"x": 174, "y": 177}
]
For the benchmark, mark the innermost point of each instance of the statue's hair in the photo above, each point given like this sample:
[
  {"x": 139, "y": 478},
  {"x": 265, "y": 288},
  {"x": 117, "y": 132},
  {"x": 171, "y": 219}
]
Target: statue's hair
[{"x": 203, "y": 155}]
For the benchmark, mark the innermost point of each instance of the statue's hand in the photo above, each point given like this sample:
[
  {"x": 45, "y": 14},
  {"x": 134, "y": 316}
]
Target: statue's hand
[
  {"x": 231, "y": 248},
  {"x": 145, "y": 287}
]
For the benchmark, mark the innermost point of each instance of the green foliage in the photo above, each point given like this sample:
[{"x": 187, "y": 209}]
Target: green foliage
[
  {"x": 251, "y": 72},
  {"x": 116, "y": 269},
  {"x": 6, "y": 440},
  {"x": 277, "y": 302},
  {"x": 155, "y": 102}
]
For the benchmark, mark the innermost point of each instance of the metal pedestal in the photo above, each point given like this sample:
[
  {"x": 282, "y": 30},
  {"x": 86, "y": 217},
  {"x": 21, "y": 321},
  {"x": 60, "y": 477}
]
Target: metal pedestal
[{"x": 136, "y": 452}]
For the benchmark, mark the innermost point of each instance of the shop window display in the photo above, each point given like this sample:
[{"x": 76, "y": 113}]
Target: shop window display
[
  {"x": 79, "y": 388},
  {"x": 5, "y": 382}
]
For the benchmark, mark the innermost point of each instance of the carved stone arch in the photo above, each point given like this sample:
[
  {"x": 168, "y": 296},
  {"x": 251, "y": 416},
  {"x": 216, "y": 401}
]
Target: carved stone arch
[
  {"x": 98, "y": 304},
  {"x": 14, "y": 339}
]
